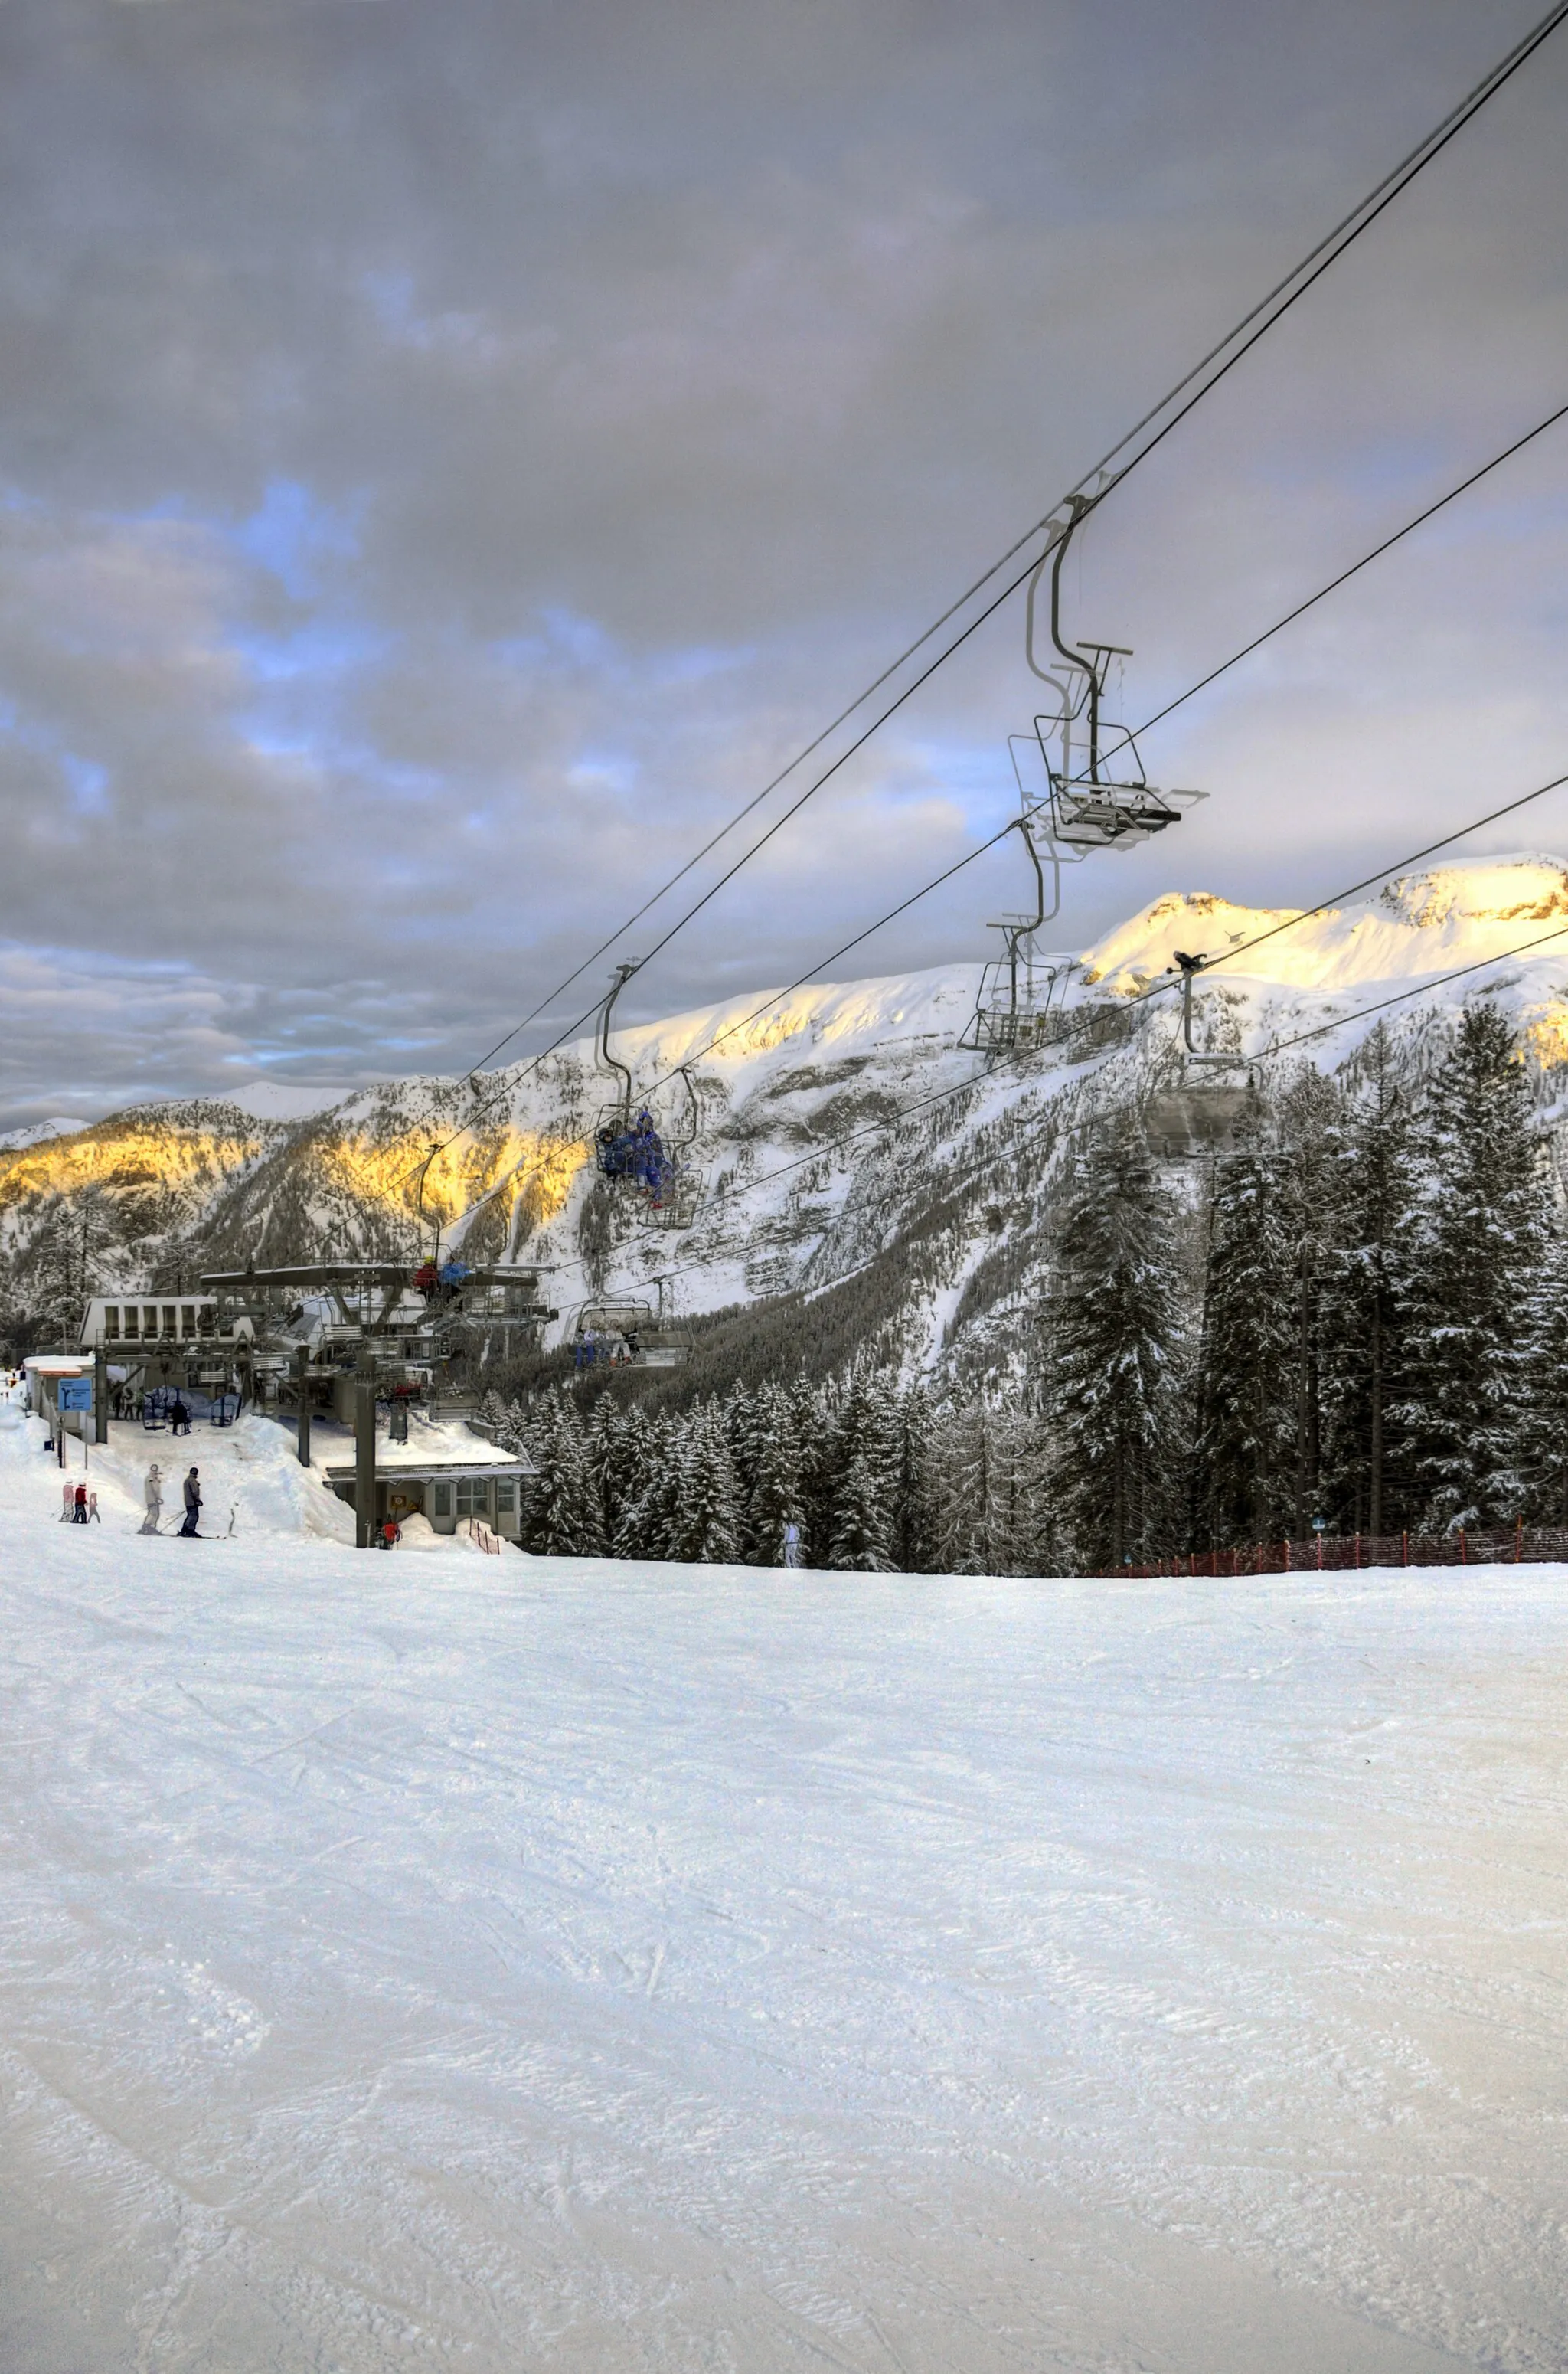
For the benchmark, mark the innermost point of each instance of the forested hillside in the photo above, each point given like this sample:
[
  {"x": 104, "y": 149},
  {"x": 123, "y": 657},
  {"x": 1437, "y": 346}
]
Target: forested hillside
[{"x": 1360, "y": 1316}]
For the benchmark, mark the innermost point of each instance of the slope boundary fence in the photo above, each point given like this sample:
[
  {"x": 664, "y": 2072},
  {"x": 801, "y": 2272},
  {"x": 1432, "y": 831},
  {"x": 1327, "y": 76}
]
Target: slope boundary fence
[{"x": 1347, "y": 1553}]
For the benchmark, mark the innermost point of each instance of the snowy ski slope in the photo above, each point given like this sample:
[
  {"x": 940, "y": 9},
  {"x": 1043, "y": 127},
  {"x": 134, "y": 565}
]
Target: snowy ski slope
[{"x": 527, "y": 1966}]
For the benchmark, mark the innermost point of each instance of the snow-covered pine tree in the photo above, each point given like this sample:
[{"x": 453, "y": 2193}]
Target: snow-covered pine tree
[
  {"x": 815, "y": 1413},
  {"x": 969, "y": 1528},
  {"x": 1023, "y": 1535},
  {"x": 624, "y": 1462},
  {"x": 1371, "y": 1197},
  {"x": 1303, "y": 1179},
  {"x": 1478, "y": 1255},
  {"x": 1244, "y": 1441},
  {"x": 916, "y": 1495},
  {"x": 1116, "y": 1355},
  {"x": 862, "y": 1525},
  {"x": 770, "y": 1468},
  {"x": 1546, "y": 1431},
  {"x": 705, "y": 1520},
  {"x": 648, "y": 1505},
  {"x": 562, "y": 1516}
]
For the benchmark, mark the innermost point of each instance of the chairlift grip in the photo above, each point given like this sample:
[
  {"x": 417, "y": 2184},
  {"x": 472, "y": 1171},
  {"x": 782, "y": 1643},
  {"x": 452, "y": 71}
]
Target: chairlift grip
[{"x": 1190, "y": 966}]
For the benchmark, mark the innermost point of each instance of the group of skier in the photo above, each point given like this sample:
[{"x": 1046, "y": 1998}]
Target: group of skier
[
  {"x": 78, "y": 1506},
  {"x": 637, "y": 1153},
  {"x": 152, "y": 1493}
]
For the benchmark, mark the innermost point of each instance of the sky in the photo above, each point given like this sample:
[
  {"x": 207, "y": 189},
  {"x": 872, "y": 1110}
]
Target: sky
[{"x": 453, "y": 455}]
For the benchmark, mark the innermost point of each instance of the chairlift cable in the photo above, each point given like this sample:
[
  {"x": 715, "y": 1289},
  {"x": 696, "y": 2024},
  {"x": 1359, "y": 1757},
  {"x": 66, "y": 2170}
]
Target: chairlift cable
[
  {"x": 1164, "y": 987},
  {"x": 1269, "y": 310},
  {"x": 1376, "y": 552},
  {"x": 1226, "y": 956},
  {"x": 1365, "y": 562},
  {"x": 1435, "y": 982},
  {"x": 1223, "y": 956},
  {"x": 940, "y": 1095}
]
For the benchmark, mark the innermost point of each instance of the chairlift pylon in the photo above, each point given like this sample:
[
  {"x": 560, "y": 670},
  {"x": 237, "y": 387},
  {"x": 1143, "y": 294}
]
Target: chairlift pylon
[{"x": 1101, "y": 798}]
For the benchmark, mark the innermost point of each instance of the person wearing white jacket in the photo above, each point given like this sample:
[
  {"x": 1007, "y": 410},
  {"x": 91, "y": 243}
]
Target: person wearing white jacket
[{"x": 153, "y": 1495}]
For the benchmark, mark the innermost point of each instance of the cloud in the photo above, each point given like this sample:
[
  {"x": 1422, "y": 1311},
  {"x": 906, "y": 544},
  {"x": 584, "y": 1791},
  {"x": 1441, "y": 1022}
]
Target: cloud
[{"x": 451, "y": 458}]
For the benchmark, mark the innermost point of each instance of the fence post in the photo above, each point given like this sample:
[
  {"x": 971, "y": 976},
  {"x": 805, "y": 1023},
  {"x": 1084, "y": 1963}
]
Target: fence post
[
  {"x": 1288, "y": 1568},
  {"x": 1404, "y": 1550},
  {"x": 1358, "y": 1553},
  {"x": 1518, "y": 1539},
  {"x": 1464, "y": 1555}
]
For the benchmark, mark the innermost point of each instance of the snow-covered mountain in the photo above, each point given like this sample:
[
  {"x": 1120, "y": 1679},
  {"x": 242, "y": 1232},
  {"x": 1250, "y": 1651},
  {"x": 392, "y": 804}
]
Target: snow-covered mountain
[
  {"x": 854, "y": 1157},
  {"x": 33, "y": 1133}
]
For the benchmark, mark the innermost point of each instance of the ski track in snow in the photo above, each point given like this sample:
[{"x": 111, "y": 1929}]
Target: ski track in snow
[{"x": 558, "y": 1964}]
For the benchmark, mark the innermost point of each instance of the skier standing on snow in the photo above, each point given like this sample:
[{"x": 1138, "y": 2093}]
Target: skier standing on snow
[
  {"x": 152, "y": 1492},
  {"x": 67, "y": 1502},
  {"x": 192, "y": 1506},
  {"x": 93, "y": 1517},
  {"x": 79, "y": 1513},
  {"x": 791, "y": 1544}
]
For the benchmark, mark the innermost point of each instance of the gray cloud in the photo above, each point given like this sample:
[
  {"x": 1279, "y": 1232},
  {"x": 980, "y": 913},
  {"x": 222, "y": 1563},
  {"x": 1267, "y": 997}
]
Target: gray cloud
[{"x": 449, "y": 456}]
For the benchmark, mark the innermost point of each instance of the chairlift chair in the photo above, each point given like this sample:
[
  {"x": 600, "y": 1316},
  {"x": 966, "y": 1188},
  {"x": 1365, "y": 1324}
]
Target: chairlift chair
[
  {"x": 1100, "y": 798},
  {"x": 1201, "y": 1120},
  {"x": 628, "y": 1332},
  {"x": 1014, "y": 1012},
  {"x": 673, "y": 1198},
  {"x": 627, "y": 1148}
]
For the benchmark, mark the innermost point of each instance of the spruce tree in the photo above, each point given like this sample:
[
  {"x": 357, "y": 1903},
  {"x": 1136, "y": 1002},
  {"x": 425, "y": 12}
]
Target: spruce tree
[
  {"x": 563, "y": 1515},
  {"x": 1304, "y": 1180},
  {"x": 704, "y": 1526},
  {"x": 647, "y": 1501},
  {"x": 1373, "y": 1199},
  {"x": 814, "y": 1409},
  {"x": 1546, "y": 1429},
  {"x": 1479, "y": 1246},
  {"x": 1116, "y": 1355},
  {"x": 861, "y": 1522},
  {"x": 918, "y": 1497},
  {"x": 770, "y": 1476},
  {"x": 1244, "y": 1445}
]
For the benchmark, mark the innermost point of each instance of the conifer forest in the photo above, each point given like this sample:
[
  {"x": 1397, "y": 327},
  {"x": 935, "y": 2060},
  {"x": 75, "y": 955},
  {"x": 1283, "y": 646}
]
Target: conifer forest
[{"x": 1358, "y": 1320}]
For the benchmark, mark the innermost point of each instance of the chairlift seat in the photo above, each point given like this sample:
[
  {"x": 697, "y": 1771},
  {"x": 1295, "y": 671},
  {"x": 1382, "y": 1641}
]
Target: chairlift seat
[
  {"x": 1200, "y": 1120},
  {"x": 1088, "y": 815}
]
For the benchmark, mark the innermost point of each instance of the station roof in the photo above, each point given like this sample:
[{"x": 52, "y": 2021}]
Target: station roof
[{"x": 428, "y": 1471}]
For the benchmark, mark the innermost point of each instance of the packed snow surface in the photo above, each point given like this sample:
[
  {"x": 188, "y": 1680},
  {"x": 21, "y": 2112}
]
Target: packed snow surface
[{"x": 508, "y": 1965}]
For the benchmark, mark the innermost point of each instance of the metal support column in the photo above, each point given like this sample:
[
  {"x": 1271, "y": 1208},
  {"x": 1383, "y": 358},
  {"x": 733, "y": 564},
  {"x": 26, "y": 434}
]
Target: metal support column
[
  {"x": 100, "y": 1395},
  {"x": 365, "y": 1452},
  {"x": 302, "y": 1386}
]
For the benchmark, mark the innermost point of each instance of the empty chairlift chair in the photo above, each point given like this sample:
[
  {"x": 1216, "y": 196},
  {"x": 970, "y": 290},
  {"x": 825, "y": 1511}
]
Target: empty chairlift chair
[
  {"x": 1200, "y": 1118},
  {"x": 1100, "y": 796},
  {"x": 1013, "y": 1014}
]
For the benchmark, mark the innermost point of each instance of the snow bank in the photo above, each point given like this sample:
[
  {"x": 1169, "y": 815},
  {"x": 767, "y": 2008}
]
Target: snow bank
[{"x": 525, "y": 1964}]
